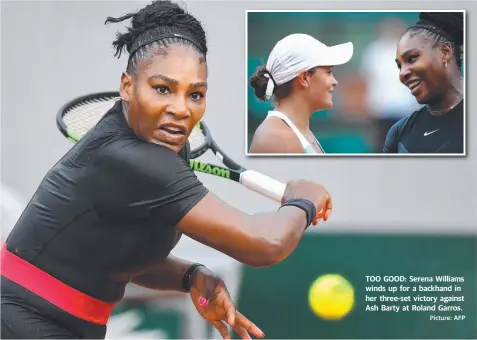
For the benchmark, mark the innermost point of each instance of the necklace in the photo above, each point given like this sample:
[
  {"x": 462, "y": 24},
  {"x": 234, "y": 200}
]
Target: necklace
[{"x": 448, "y": 109}]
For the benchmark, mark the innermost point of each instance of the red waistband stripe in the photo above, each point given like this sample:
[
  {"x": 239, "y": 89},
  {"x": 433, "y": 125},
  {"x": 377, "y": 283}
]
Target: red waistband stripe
[{"x": 53, "y": 290}]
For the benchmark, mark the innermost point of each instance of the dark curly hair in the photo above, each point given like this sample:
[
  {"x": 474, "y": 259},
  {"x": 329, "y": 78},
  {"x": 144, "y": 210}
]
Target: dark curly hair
[
  {"x": 442, "y": 27},
  {"x": 154, "y": 28}
]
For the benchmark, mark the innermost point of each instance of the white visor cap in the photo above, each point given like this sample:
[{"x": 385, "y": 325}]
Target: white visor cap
[{"x": 300, "y": 52}]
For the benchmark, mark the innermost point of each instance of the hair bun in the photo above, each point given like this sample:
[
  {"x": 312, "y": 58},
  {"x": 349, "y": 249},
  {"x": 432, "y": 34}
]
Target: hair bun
[
  {"x": 159, "y": 13},
  {"x": 259, "y": 82},
  {"x": 450, "y": 22}
]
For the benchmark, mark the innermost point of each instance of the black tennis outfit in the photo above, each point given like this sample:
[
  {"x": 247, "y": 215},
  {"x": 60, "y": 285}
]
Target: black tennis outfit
[
  {"x": 105, "y": 212},
  {"x": 422, "y": 132}
]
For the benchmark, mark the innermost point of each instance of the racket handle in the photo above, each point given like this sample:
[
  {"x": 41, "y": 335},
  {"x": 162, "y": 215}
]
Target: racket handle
[
  {"x": 263, "y": 184},
  {"x": 266, "y": 186}
]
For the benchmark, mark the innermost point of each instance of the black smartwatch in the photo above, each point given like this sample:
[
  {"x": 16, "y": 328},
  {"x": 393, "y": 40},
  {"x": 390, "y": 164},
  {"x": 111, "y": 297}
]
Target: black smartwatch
[{"x": 187, "y": 278}]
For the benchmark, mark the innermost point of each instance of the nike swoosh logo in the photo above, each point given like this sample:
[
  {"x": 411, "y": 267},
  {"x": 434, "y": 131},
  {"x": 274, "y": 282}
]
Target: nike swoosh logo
[{"x": 429, "y": 133}]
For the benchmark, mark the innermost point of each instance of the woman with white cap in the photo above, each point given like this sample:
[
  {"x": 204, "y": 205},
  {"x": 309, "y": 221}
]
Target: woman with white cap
[{"x": 298, "y": 77}]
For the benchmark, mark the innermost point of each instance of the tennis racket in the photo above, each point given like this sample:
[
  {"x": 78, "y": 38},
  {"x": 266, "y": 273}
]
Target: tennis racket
[{"x": 78, "y": 116}]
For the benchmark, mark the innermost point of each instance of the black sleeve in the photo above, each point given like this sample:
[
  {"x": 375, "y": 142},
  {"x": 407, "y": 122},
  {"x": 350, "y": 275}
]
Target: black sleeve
[
  {"x": 392, "y": 139},
  {"x": 139, "y": 181}
]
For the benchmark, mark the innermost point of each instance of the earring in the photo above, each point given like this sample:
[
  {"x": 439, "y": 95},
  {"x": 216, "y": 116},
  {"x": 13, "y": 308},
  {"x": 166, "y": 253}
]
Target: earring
[{"x": 445, "y": 64}]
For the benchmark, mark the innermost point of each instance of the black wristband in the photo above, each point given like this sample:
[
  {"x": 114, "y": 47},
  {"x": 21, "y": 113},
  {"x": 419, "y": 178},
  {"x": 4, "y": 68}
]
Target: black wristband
[
  {"x": 305, "y": 205},
  {"x": 186, "y": 279}
]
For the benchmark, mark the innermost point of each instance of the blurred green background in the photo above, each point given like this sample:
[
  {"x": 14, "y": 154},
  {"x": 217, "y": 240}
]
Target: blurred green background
[
  {"x": 369, "y": 97},
  {"x": 284, "y": 288},
  {"x": 276, "y": 298}
]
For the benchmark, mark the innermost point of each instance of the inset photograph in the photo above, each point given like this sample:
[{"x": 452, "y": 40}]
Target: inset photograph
[{"x": 351, "y": 83}]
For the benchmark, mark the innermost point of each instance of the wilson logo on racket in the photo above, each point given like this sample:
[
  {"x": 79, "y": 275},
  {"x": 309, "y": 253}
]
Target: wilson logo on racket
[{"x": 201, "y": 166}]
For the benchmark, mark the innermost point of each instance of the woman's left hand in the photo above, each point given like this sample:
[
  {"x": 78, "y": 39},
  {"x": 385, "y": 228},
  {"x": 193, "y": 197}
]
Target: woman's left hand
[{"x": 212, "y": 300}]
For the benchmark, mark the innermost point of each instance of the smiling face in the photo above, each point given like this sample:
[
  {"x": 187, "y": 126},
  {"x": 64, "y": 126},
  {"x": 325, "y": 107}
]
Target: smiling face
[
  {"x": 421, "y": 67},
  {"x": 166, "y": 96},
  {"x": 320, "y": 85}
]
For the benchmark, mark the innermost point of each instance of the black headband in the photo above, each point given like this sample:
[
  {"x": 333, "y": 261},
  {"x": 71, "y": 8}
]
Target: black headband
[
  {"x": 269, "y": 75},
  {"x": 431, "y": 27},
  {"x": 159, "y": 36}
]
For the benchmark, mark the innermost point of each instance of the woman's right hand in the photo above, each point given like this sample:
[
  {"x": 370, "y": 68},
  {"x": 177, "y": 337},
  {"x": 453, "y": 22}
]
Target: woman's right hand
[{"x": 312, "y": 191}]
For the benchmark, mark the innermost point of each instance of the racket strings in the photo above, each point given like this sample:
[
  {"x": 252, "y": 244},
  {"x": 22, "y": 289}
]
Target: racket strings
[
  {"x": 197, "y": 139},
  {"x": 84, "y": 116}
]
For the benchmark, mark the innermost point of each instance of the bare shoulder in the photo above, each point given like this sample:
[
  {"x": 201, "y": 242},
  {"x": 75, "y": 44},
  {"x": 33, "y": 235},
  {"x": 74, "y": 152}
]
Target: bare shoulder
[{"x": 274, "y": 136}]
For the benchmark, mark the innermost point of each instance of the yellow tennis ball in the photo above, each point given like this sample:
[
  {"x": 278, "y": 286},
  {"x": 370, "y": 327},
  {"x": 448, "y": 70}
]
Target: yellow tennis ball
[{"x": 331, "y": 297}]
